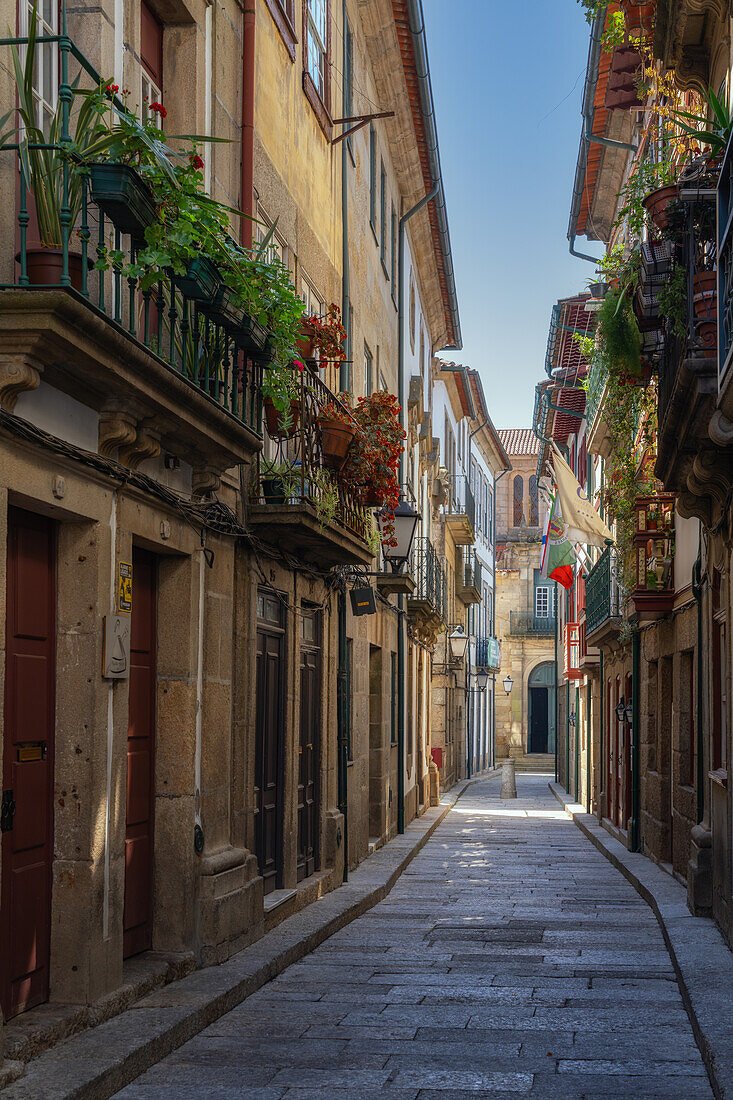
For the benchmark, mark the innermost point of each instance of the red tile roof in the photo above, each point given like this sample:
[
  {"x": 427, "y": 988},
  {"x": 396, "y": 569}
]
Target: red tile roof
[{"x": 519, "y": 441}]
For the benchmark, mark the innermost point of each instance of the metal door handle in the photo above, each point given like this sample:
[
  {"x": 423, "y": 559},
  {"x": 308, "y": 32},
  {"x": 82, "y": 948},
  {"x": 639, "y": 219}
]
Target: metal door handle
[{"x": 7, "y": 812}]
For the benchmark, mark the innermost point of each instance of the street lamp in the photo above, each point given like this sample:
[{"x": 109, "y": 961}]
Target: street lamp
[
  {"x": 405, "y": 522},
  {"x": 482, "y": 679},
  {"x": 508, "y": 776},
  {"x": 458, "y": 643},
  {"x": 571, "y": 718},
  {"x": 630, "y": 712},
  {"x": 621, "y": 709}
]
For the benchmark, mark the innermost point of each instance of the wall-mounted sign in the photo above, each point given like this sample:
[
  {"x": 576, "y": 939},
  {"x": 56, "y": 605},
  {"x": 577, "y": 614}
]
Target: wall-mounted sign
[
  {"x": 116, "y": 648},
  {"x": 124, "y": 587}
]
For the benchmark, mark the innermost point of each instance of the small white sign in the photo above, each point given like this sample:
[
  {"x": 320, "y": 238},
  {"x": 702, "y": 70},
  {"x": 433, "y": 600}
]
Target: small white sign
[{"x": 116, "y": 653}]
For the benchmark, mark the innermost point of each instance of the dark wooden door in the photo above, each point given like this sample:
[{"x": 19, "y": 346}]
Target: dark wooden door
[
  {"x": 309, "y": 762},
  {"x": 269, "y": 736},
  {"x": 28, "y": 753},
  {"x": 138, "y": 913},
  {"x": 538, "y": 719}
]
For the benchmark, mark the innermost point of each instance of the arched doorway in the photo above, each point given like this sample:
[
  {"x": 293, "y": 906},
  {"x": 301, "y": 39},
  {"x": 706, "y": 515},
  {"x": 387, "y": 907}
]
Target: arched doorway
[{"x": 541, "y": 708}]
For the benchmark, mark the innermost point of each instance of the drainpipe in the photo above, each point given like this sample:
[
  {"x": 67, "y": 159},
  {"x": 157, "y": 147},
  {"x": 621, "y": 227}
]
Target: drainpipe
[
  {"x": 577, "y": 741},
  {"x": 493, "y": 620},
  {"x": 697, "y": 593},
  {"x": 343, "y": 719},
  {"x": 248, "y": 126},
  {"x": 588, "y": 733},
  {"x": 346, "y": 275},
  {"x": 401, "y": 599},
  {"x": 635, "y": 777}
]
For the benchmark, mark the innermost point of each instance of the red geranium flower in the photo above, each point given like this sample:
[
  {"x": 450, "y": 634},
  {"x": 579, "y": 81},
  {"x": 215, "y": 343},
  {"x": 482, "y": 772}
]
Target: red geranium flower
[
  {"x": 159, "y": 109},
  {"x": 196, "y": 160}
]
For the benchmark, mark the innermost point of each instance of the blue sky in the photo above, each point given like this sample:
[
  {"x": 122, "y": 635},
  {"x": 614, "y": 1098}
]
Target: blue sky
[{"x": 498, "y": 67}]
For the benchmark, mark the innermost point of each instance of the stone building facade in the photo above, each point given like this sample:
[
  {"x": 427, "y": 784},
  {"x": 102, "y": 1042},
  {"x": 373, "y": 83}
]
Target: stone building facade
[
  {"x": 200, "y": 737},
  {"x": 525, "y": 608}
]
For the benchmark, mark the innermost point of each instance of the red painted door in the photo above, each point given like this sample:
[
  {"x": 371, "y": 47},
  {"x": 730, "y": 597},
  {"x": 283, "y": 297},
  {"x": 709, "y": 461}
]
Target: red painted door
[
  {"x": 309, "y": 762},
  {"x": 138, "y": 914},
  {"x": 27, "y": 818},
  {"x": 269, "y": 737}
]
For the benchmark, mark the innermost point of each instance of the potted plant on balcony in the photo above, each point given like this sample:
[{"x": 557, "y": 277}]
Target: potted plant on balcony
[
  {"x": 373, "y": 461},
  {"x": 324, "y": 335},
  {"x": 274, "y": 477},
  {"x": 337, "y": 428},
  {"x": 279, "y": 425},
  {"x": 43, "y": 169}
]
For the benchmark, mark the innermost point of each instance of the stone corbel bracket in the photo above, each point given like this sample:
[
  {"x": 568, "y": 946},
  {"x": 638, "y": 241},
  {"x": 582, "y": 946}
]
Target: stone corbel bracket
[{"x": 18, "y": 374}]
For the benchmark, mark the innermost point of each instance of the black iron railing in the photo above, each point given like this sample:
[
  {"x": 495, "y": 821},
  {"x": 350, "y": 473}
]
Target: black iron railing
[
  {"x": 459, "y": 500},
  {"x": 522, "y": 623},
  {"x": 488, "y": 653},
  {"x": 222, "y": 360},
  {"x": 295, "y": 469},
  {"x": 430, "y": 579},
  {"x": 603, "y": 599},
  {"x": 469, "y": 571}
]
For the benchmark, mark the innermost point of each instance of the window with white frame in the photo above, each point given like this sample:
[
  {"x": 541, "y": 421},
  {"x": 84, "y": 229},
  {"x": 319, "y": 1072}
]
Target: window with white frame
[
  {"x": 542, "y": 602},
  {"x": 277, "y": 248},
  {"x": 317, "y": 43},
  {"x": 311, "y": 297},
  {"x": 151, "y": 55},
  {"x": 45, "y": 70}
]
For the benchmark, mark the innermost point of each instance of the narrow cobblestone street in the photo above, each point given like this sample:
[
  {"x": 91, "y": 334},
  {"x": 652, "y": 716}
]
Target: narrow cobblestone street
[{"x": 510, "y": 959}]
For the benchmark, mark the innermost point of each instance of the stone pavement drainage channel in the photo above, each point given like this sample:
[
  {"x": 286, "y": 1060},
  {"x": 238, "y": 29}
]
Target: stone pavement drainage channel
[
  {"x": 100, "y": 1061},
  {"x": 701, "y": 959}
]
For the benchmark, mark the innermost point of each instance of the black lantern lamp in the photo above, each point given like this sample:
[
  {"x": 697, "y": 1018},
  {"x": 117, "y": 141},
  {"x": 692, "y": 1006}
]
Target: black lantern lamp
[
  {"x": 508, "y": 684},
  {"x": 630, "y": 712},
  {"x": 482, "y": 679},
  {"x": 621, "y": 709},
  {"x": 571, "y": 718},
  {"x": 405, "y": 523},
  {"x": 458, "y": 643}
]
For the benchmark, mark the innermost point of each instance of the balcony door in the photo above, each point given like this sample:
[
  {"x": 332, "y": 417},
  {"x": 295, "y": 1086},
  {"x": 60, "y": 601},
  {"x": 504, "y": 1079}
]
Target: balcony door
[
  {"x": 270, "y": 714},
  {"x": 309, "y": 754},
  {"x": 138, "y": 909},
  {"x": 27, "y": 765}
]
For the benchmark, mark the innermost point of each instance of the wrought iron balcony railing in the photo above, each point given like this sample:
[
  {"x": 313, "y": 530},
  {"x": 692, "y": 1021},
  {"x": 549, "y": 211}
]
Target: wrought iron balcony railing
[
  {"x": 654, "y": 590},
  {"x": 459, "y": 501},
  {"x": 488, "y": 653},
  {"x": 220, "y": 359},
  {"x": 522, "y": 623},
  {"x": 597, "y": 377},
  {"x": 428, "y": 571},
  {"x": 603, "y": 599},
  {"x": 299, "y": 470}
]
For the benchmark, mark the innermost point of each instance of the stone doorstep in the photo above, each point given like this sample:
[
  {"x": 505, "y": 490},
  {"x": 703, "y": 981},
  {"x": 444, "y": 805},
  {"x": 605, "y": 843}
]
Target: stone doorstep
[
  {"x": 702, "y": 961},
  {"x": 162, "y": 1017},
  {"x": 30, "y": 1034}
]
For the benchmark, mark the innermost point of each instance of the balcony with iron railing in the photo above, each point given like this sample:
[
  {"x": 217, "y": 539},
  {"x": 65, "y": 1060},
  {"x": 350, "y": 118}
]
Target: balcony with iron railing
[
  {"x": 653, "y": 594},
  {"x": 597, "y": 387},
  {"x": 427, "y": 606},
  {"x": 458, "y": 510},
  {"x": 301, "y": 500},
  {"x": 171, "y": 357},
  {"x": 686, "y": 351},
  {"x": 488, "y": 653},
  {"x": 468, "y": 577},
  {"x": 603, "y": 600},
  {"x": 522, "y": 623}
]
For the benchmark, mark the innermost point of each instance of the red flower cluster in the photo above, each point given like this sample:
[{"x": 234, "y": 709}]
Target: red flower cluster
[
  {"x": 113, "y": 89},
  {"x": 327, "y": 334},
  {"x": 196, "y": 160},
  {"x": 371, "y": 468},
  {"x": 159, "y": 109}
]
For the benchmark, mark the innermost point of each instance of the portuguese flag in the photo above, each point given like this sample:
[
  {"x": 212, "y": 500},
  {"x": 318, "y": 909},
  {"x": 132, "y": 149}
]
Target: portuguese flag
[{"x": 558, "y": 556}]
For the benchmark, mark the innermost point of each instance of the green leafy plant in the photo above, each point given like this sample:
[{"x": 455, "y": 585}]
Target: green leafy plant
[
  {"x": 618, "y": 335},
  {"x": 43, "y": 168},
  {"x": 673, "y": 301},
  {"x": 647, "y": 176},
  {"x": 713, "y": 129}
]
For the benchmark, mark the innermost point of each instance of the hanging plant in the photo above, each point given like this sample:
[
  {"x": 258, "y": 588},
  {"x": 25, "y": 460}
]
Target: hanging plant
[{"x": 618, "y": 335}]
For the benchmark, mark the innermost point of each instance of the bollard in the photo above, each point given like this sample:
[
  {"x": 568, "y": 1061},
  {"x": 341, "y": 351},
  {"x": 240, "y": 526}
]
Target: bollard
[{"x": 508, "y": 780}]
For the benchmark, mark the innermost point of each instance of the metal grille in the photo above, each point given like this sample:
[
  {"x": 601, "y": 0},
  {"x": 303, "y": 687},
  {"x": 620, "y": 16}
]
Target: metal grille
[{"x": 430, "y": 578}]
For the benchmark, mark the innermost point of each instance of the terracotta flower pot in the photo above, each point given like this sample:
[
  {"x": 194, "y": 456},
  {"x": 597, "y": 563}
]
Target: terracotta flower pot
[
  {"x": 274, "y": 420},
  {"x": 45, "y": 265},
  {"x": 657, "y": 203},
  {"x": 336, "y": 439}
]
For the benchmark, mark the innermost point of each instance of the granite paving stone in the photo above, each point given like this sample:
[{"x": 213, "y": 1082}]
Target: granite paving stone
[{"x": 510, "y": 959}]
